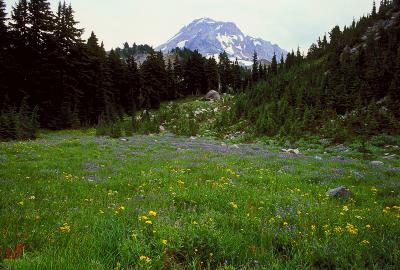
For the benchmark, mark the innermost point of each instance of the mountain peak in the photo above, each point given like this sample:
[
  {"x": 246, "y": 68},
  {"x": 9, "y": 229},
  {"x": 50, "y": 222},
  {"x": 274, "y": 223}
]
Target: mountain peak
[
  {"x": 211, "y": 37},
  {"x": 204, "y": 20}
]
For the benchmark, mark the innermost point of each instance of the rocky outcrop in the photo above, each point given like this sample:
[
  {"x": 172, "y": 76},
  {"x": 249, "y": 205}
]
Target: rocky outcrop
[{"x": 212, "y": 95}]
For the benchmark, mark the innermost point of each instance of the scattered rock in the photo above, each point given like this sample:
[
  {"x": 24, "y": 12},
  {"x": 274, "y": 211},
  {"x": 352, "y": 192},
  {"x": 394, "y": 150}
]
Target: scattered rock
[
  {"x": 389, "y": 157},
  {"x": 339, "y": 192},
  {"x": 162, "y": 128},
  {"x": 93, "y": 179},
  {"x": 193, "y": 138},
  {"x": 212, "y": 95},
  {"x": 91, "y": 167},
  {"x": 318, "y": 158},
  {"x": 394, "y": 170},
  {"x": 340, "y": 148},
  {"x": 339, "y": 159},
  {"x": 376, "y": 163},
  {"x": 235, "y": 146},
  {"x": 339, "y": 171},
  {"x": 291, "y": 151},
  {"x": 123, "y": 139}
]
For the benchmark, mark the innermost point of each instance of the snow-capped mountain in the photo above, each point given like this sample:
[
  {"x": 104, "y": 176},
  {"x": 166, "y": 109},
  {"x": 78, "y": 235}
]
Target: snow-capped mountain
[{"x": 211, "y": 38}]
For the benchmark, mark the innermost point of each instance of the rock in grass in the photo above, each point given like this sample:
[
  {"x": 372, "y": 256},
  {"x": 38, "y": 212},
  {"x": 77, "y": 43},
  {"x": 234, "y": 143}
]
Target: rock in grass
[
  {"x": 376, "y": 163},
  {"x": 291, "y": 151},
  {"x": 235, "y": 146},
  {"x": 213, "y": 95},
  {"x": 339, "y": 192},
  {"x": 395, "y": 170}
]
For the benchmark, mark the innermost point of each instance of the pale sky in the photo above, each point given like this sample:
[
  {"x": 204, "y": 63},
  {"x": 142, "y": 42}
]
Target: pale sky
[{"x": 288, "y": 23}]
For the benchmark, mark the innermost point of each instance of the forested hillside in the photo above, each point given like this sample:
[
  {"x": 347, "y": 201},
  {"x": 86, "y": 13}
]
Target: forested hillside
[{"x": 345, "y": 87}]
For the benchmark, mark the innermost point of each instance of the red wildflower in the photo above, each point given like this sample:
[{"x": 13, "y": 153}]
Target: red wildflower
[
  {"x": 18, "y": 251},
  {"x": 8, "y": 253}
]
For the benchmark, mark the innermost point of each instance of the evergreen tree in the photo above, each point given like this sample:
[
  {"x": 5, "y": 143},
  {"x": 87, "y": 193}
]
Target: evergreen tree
[
  {"x": 255, "y": 71},
  {"x": 4, "y": 39},
  {"x": 3, "y": 27},
  {"x": 225, "y": 72},
  {"x": 42, "y": 23},
  {"x": 211, "y": 74},
  {"x": 237, "y": 77},
  {"x": 20, "y": 24},
  {"x": 154, "y": 81},
  {"x": 178, "y": 77},
  {"x": 170, "y": 81},
  {"x": 373, "y": 9},
  {"x": 274, "y": 65},
  {"x": 195, "y": 75},
  {"x": 134, "y": 84}
]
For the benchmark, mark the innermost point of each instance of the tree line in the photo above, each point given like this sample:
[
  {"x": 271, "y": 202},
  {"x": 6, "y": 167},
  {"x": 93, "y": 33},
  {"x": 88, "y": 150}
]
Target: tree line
[{"x": 61, "y": 81}]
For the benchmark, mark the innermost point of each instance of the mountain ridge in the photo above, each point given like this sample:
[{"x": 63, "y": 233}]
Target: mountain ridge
[{"x": 211, "y": 37}]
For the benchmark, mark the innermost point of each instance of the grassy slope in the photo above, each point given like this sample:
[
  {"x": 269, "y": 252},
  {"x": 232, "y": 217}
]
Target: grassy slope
[{"x": 76, "y": 201}]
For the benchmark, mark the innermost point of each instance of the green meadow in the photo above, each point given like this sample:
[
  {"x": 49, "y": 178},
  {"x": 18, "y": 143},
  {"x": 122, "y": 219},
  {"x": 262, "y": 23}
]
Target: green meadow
[{"x": 77, "y": 201}]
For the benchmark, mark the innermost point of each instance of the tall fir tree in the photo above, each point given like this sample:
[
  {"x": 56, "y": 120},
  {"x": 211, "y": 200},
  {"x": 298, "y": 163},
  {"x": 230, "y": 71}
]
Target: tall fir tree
[
  {"x": 195, "y": 75},
  {"x": 373, "y": 13},
  {"x": 225, "y": 72},
  {"x": 3, "y": 26},
  {"x": 255, "y": 71},
  {"x": 178, "y": 77},
  {"x": 211, "y": 74},
  {"x": 274, "y": 65},
  {"x": 4, "y": 50},
  {"x": 42, "y": 23}
]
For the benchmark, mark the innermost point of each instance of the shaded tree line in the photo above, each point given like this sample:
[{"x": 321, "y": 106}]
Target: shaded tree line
[{"x": 50, "y": 73}]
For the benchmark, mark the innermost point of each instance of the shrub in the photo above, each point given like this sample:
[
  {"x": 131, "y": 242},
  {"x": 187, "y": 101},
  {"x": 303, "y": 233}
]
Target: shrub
[{"x": 21, "y": 125}]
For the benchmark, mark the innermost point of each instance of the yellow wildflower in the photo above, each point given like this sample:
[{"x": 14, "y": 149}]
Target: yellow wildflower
[
  {"x": 364, "y": 242},
  {"x": 195, "y": 222},
  {"x": 285, "y": 223},
  {"x": 313, "y": 227},
  {"x": 164, "y": 242},
  {"x": 345, "y": 208},
  {"x": 233, "y": 205},
  {"x": 368, "y": 226},
  {"x": 21, "y": 203},
  {"x": 153, "y": 213},
  {"x": 65, "y": 228},
  {"x": 338, "y": 229},
  {"x": 101, "y": 211},
  {"x": 143, "y": 218},
  {"x": 149, "y": 222},
  {"x": 145, "y": 259},
  {"x": 351, "y": 228},
  {"x": 272, "y": 220}
]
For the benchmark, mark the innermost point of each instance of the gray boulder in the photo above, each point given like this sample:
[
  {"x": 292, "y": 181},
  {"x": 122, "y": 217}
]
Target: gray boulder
[
  {"x": 291, "y": 151},
  {"x": 376, "y": 163},
  {"x": 212, "y": 95},
  {"x": 339, "y": 192}
]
